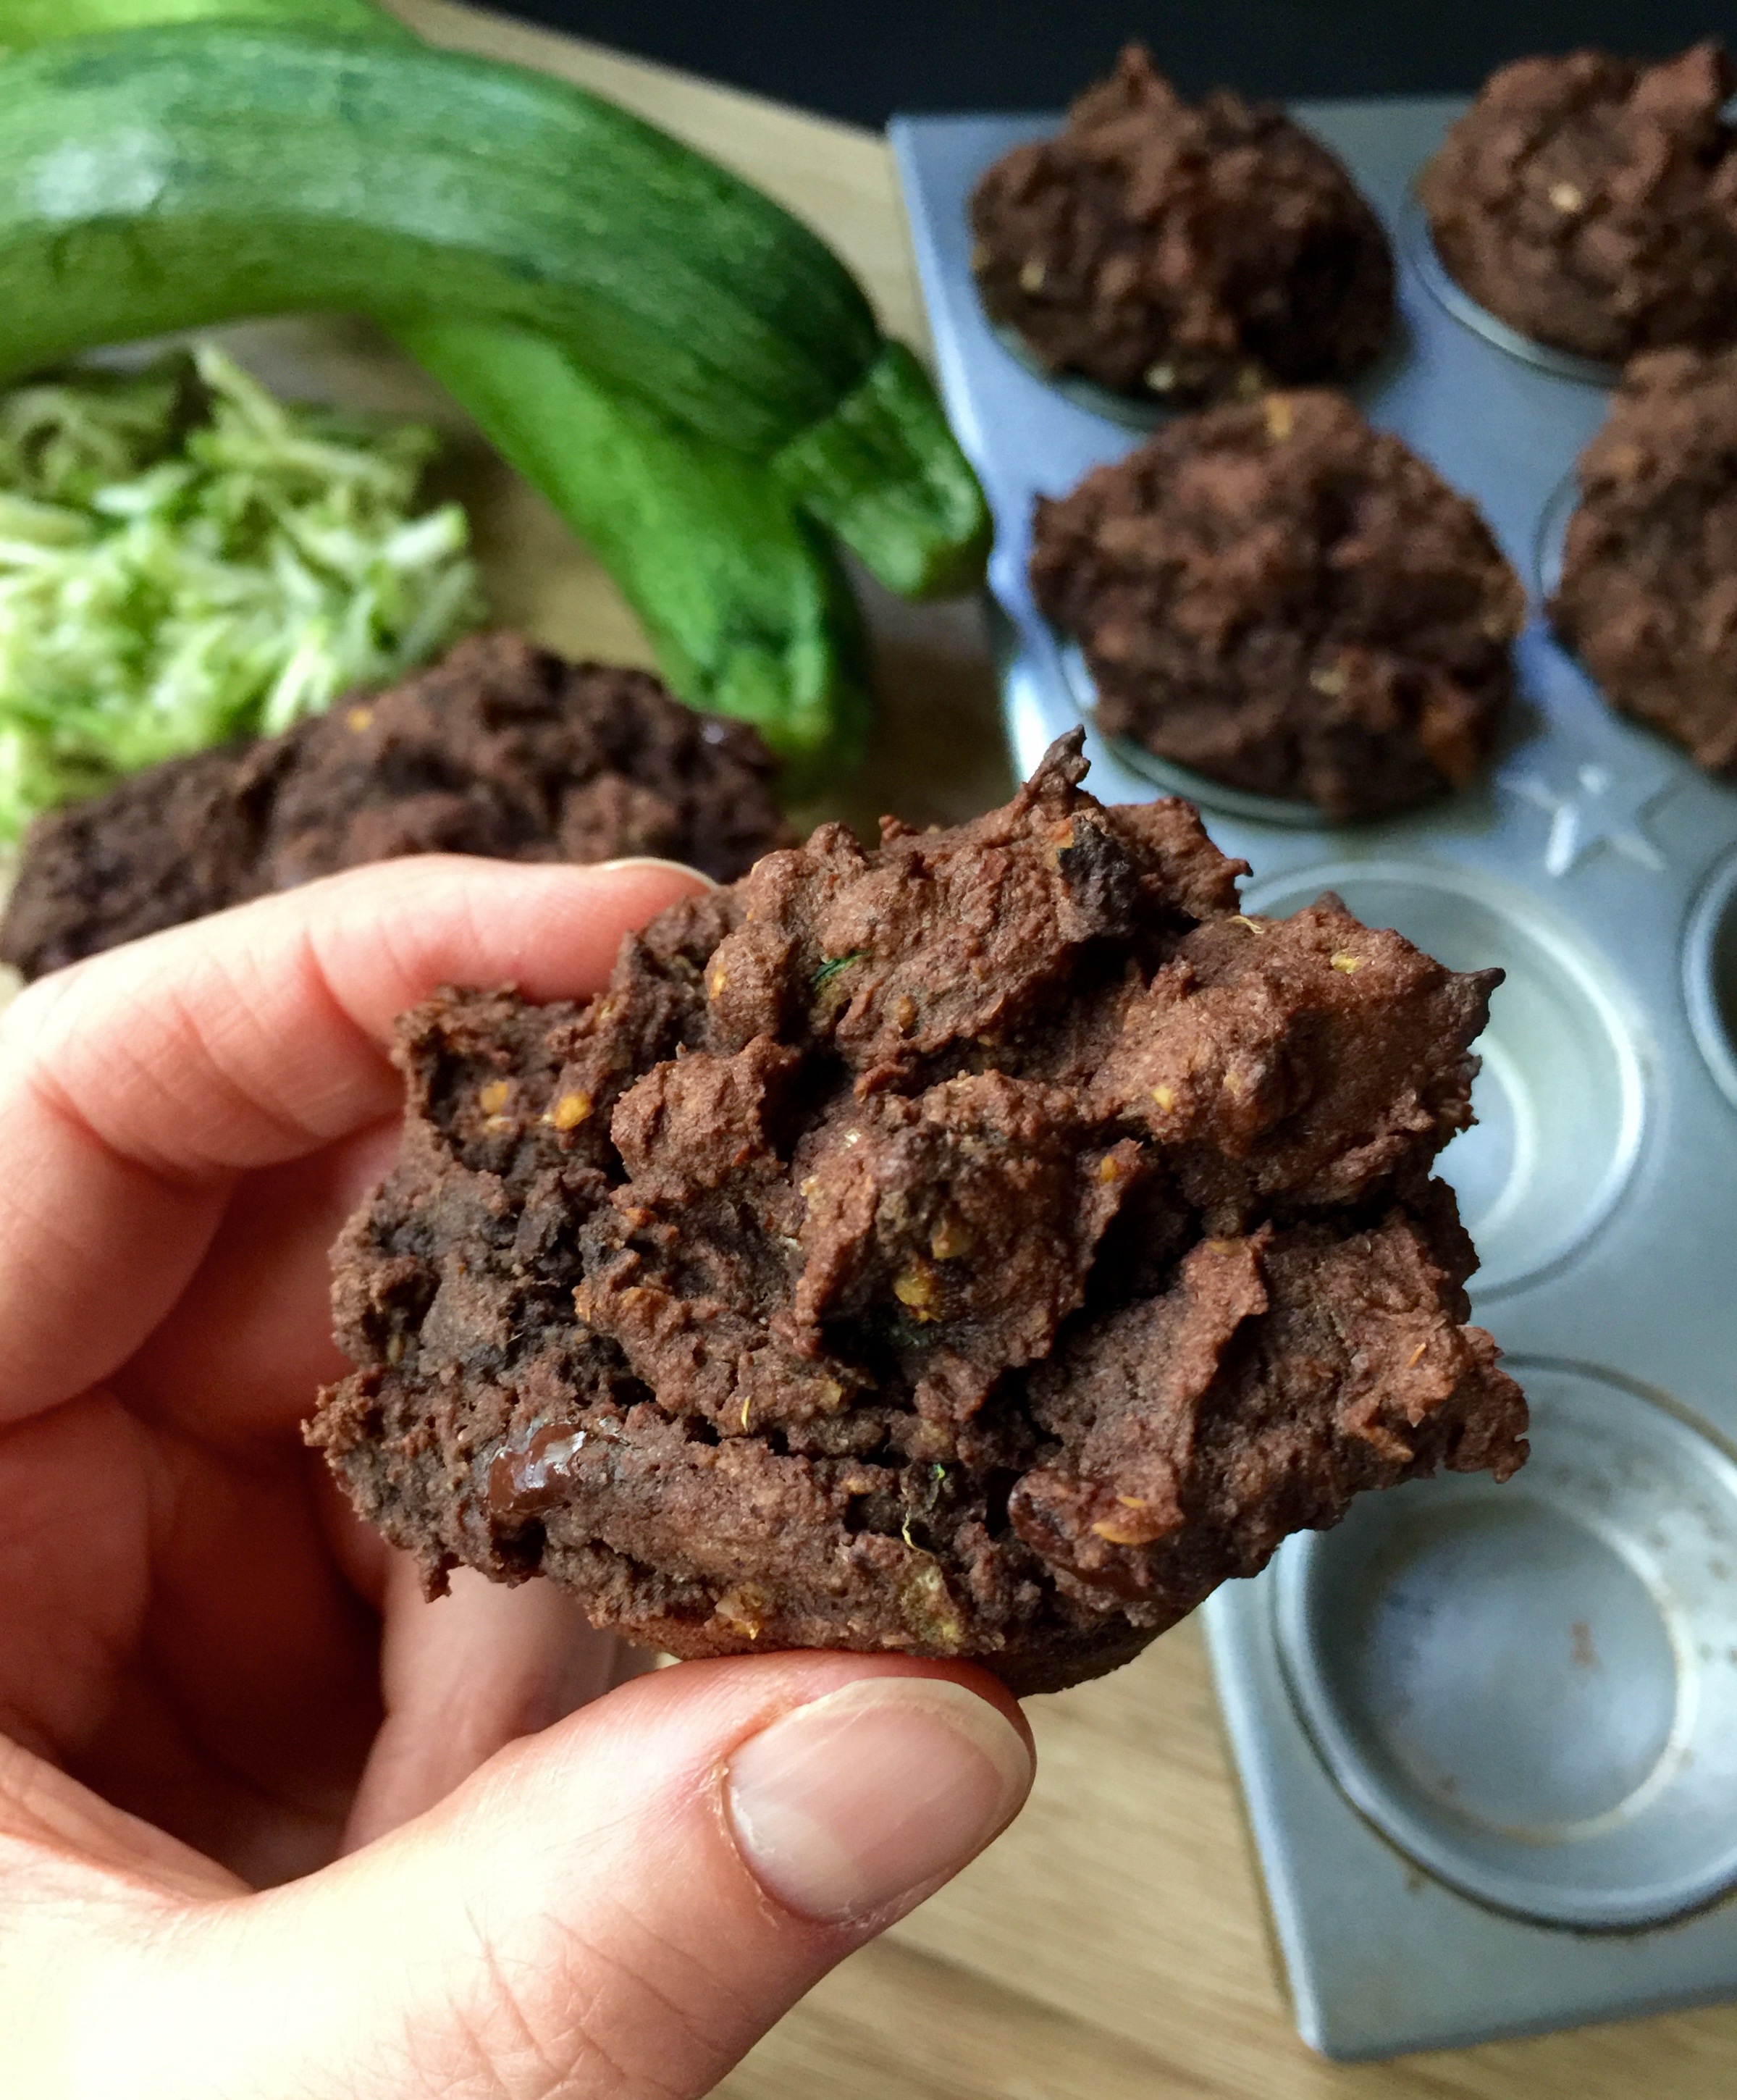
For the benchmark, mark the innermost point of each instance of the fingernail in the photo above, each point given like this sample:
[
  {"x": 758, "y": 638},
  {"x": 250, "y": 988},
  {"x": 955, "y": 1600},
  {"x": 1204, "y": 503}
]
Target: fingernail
[
  {"x": 653, "y": 860},
  {"x": 864, "y": 1802}
]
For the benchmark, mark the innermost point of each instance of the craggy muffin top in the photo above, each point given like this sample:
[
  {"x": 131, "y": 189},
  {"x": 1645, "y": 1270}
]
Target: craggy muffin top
[
  {"x": 1182, "y": 251},
  {"x": 502, "y": 748},
  {"x": 1648, "y": 593},
  {"x": 1591, "y": 202},
  {"x": 1289, "y": 602},
  {"x": 982, "y": 1245}
]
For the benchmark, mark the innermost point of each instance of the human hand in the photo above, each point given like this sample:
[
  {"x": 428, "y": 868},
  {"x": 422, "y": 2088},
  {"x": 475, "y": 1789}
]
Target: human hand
[{"x": 269, "y": 1824}]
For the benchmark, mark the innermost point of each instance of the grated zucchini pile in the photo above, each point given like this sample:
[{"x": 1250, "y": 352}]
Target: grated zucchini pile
[{"x": 185, "y": 560}]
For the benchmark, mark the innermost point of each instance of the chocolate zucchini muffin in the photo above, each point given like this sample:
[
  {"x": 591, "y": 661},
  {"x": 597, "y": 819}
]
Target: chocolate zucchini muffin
[
  {"x": 1591, "y": 202},
  {"x": 1648, "y": 595},
  {"x": 980, "y": 1245},
  {"x": 1289, "y": 602},
  {"x": 502, "y": 749},
  {"x": 1182, "y": 252}
]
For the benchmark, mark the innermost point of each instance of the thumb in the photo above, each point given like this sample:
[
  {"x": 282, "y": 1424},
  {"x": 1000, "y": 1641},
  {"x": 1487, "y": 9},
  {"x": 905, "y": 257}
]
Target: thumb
[{"x": 618, "y": 1907}]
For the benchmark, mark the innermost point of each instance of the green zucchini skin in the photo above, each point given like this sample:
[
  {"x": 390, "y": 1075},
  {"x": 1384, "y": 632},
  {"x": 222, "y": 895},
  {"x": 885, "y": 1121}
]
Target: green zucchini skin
[
  {"x": 166, "y": 183},
  {"x": 155, "y": 178},
  {"x": 26, "y": 24},
  {"x": 744, "y": 602},
  {"x": 886, "y": 474}
]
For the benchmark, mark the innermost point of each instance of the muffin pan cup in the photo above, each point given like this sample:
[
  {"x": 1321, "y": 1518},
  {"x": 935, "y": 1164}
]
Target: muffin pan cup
[{"x": 1488, "y": 1736}]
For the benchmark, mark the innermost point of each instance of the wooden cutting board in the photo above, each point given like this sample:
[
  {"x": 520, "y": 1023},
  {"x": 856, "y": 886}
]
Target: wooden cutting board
[{"x": 1113, "y": 1945}]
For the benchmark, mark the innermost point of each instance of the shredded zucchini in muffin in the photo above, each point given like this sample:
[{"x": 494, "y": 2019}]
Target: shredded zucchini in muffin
[{"x": 184, "y": 559}]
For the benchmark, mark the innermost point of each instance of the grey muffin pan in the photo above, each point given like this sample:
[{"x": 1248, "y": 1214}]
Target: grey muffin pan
[{"x": 1487, "y": 1737}]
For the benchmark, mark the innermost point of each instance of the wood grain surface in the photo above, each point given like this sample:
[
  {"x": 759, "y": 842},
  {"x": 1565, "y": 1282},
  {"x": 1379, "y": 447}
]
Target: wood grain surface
[{"x": 1113, "y": 1945}]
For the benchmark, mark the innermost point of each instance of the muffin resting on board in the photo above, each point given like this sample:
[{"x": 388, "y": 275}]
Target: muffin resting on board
[{"x": 502, "y": 749}]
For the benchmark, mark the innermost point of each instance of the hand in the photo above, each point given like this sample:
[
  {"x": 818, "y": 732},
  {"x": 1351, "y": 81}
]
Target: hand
[{"x": 270, "y": 1825}]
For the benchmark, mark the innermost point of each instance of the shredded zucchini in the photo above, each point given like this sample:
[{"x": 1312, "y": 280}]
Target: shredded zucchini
[{"x": 184, "y": 559}]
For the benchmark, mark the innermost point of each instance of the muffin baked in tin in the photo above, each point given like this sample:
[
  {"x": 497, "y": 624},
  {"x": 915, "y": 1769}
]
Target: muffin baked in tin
[
  {"x": 1182, "y": 252},
  {"x": 1289, "y": 601},
  {"x": 1648, "y": 594},
  {"x": 1590, "y": 201}
]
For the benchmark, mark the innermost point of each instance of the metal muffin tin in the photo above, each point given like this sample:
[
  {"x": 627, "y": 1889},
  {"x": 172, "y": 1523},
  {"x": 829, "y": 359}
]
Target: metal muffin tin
[{"x": 1488, "y": 1736}]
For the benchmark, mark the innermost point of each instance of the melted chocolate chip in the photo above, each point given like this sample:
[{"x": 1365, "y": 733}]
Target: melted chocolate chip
[{"x": 525, "y": 1480}]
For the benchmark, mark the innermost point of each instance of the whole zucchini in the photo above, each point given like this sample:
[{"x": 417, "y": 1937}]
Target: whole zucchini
[
  {"x": 746, "y": 607},
  {"x": 745, "y": 602},
  {"x": 684, "y": 284},
  {"x": 162, "y": 178}
]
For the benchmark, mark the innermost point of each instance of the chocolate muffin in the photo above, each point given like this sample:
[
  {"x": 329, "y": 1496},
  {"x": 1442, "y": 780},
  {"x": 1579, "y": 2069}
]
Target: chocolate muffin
[
  {"x": 1647, "y": 598},
  {"x": 1182, "y": 252},
  {"x": 1289, "y": 601},
  {"x": 981, "y": 1245},
  {"x": 1591, "y": 202},
  {"x": 502, "y": 749}
]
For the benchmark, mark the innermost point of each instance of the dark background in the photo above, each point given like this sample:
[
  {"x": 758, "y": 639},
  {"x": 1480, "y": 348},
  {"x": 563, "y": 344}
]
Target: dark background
[{"x": 862, "y": 60}]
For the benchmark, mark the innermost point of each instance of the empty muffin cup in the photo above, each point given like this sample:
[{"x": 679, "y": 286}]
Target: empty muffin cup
[
  {"x": 1532, "y": 1690},
  {"x": 1559, "y": 1100}
]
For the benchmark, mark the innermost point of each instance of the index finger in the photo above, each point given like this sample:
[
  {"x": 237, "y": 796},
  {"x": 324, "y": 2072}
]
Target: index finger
[{"x": 135, "y": 1087}]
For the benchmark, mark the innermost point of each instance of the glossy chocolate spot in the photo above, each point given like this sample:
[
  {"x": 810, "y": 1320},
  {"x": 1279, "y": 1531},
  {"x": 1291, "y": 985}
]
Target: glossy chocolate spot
[{"x": 526, "y": 1480}]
